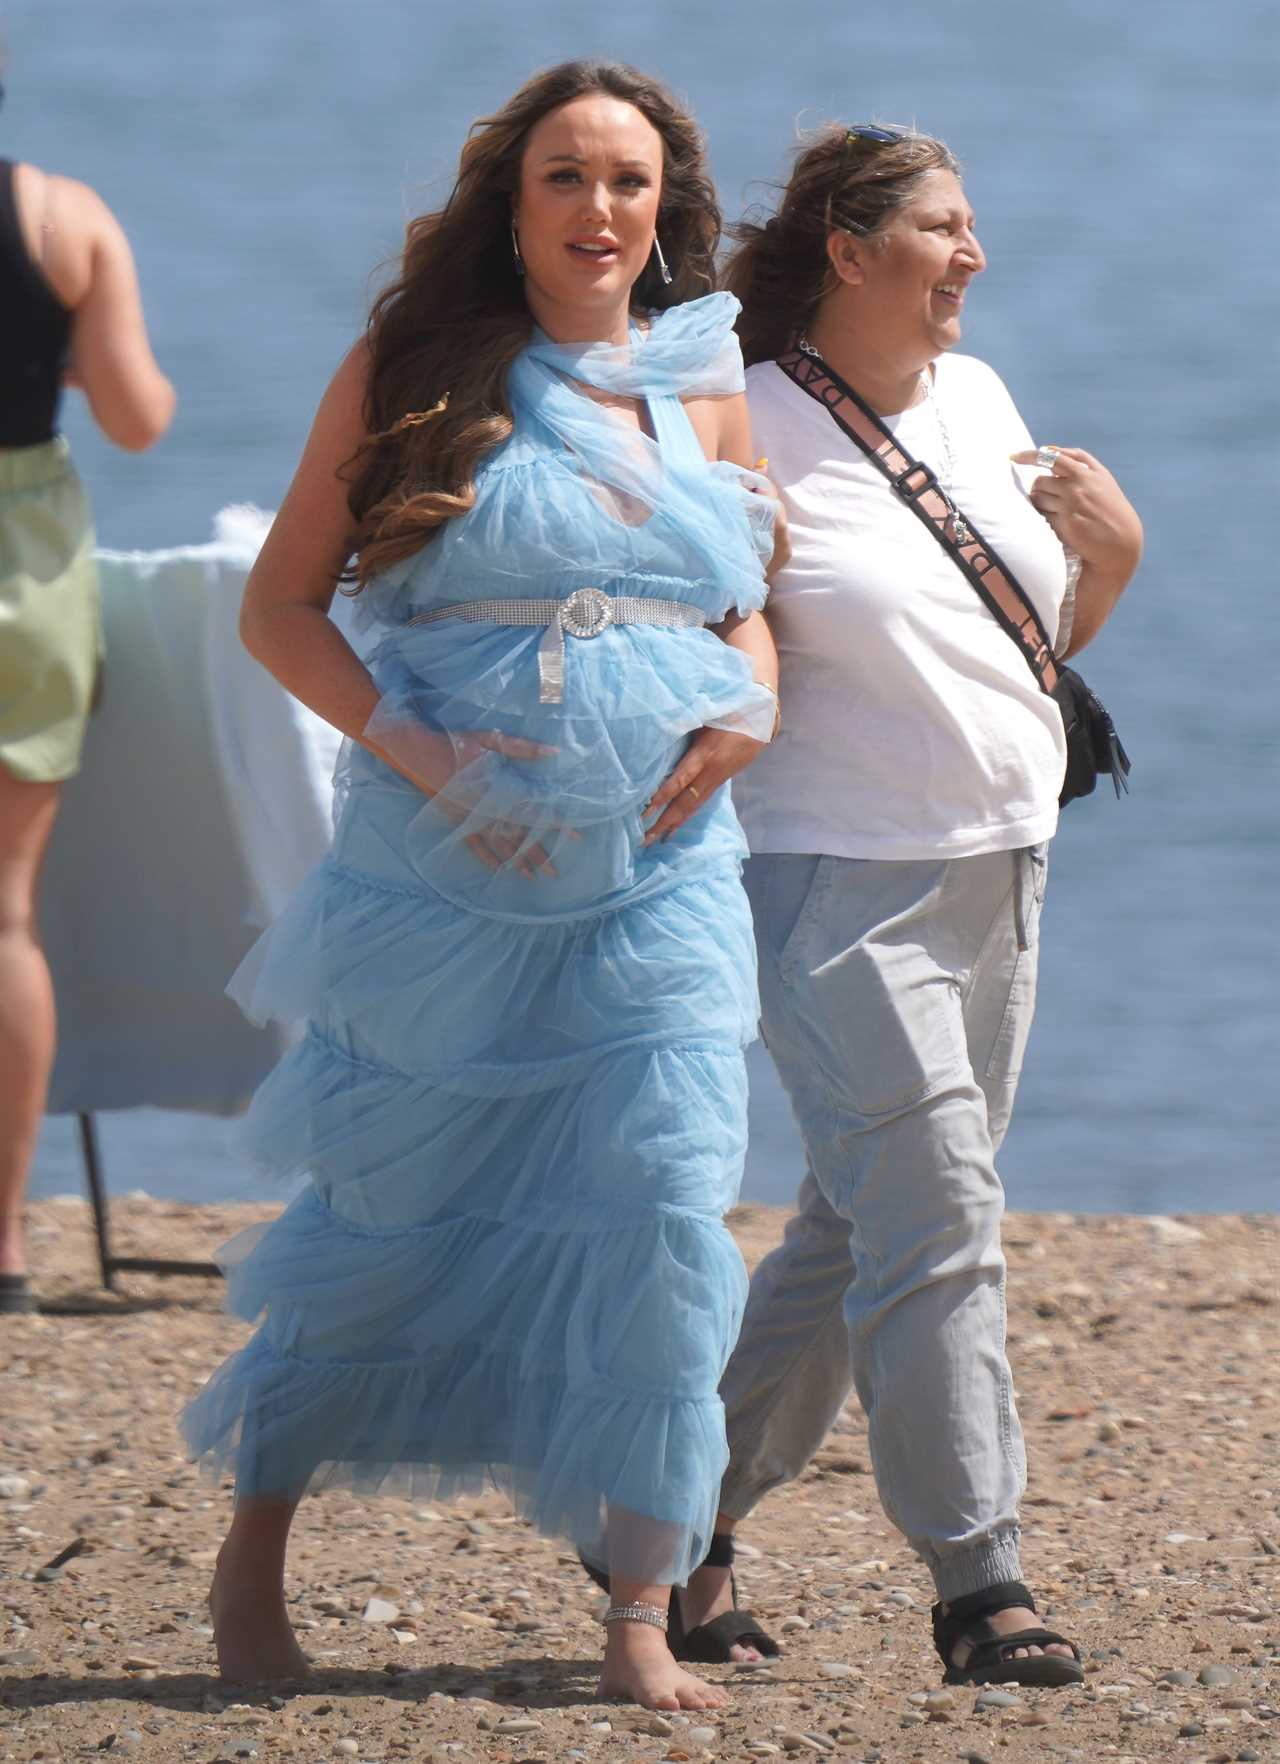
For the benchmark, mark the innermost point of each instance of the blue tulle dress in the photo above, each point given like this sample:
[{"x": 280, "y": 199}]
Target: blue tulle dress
[{"x": 521, "y": 1103}]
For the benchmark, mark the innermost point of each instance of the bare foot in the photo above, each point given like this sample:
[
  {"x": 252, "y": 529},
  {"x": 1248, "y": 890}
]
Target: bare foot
[
  {"x": 639, "y": 1668},
  {"x": 710, "y": 1594},
  {"x": 251, "y": 1630},
  {"x": 1005, "y": 1623}
]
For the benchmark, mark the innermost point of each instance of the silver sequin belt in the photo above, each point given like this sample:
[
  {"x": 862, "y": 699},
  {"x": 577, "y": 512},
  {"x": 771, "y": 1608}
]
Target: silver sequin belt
[{"x": 584, "y": 613}]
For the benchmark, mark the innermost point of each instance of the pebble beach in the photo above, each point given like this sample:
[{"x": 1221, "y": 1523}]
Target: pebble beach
[{"x": 1145, "y": 1352}]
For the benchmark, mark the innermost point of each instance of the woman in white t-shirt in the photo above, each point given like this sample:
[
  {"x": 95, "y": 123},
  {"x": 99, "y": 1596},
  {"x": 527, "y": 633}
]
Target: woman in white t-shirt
[{"x": 898, "y": 828}]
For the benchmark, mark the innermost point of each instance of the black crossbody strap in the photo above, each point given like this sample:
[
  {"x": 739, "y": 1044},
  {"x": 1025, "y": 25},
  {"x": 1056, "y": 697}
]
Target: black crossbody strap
[{"x": 917, "y": 485}]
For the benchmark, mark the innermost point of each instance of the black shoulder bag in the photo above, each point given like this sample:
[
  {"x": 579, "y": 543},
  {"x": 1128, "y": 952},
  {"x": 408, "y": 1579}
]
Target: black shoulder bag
[{"x": 1092, "y": 743}]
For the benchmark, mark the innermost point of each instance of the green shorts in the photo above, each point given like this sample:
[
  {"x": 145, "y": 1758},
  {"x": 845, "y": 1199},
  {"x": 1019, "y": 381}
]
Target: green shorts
[{"x": 50, "y": 625}]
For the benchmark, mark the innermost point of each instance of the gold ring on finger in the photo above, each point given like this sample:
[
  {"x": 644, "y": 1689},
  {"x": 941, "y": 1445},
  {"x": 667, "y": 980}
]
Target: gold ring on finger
[{"x": 694, "y": 792}]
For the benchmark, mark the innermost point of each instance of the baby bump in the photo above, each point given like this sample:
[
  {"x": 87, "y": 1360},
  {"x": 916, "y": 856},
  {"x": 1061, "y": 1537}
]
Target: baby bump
[{"x": 496, "y": 845}]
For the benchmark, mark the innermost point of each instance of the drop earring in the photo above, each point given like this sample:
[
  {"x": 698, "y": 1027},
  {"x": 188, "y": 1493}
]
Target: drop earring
[
  {"x": 515, "y": 246},
  {"x": 663, "y": 271}
]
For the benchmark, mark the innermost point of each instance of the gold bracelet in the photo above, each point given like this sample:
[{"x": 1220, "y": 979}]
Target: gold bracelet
[{"x": 777, "y": 707}]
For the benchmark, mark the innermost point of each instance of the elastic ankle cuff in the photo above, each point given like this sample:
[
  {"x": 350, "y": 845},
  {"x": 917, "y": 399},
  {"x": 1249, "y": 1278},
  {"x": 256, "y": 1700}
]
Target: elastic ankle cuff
[{"x": 971, "y": 1570}]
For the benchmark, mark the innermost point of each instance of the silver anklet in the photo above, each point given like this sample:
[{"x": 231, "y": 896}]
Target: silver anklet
[{"x": 653, "y": 1614}]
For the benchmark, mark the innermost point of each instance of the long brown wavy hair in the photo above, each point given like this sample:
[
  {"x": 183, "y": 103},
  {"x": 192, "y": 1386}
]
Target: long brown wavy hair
[
  {"x": 443, "y": 334},
  {"x": 840, "y": 182}
]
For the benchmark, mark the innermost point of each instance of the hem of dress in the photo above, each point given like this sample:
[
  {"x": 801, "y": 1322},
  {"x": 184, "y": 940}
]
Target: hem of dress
[{"x": 565, "y": 1455}]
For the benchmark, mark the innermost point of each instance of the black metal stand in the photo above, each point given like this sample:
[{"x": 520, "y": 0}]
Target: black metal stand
[{"x": 113, "y": 1265}]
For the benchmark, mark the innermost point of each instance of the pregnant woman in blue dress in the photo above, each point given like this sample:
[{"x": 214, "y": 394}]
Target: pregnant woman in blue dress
[{"x": 526, "y": 968}]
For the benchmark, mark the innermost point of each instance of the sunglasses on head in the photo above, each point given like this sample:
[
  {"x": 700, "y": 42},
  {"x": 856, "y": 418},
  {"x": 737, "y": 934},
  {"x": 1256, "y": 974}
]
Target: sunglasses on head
[{"x": 870, "y": 132}]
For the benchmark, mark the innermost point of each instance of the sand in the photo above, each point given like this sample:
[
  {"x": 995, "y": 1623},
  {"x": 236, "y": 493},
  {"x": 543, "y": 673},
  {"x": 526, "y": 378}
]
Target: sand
[{"x": 1146, "y": 1355}]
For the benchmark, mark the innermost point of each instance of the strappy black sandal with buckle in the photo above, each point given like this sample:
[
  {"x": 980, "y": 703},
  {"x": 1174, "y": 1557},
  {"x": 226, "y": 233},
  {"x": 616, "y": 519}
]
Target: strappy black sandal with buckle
[
  {"x": 707, "y": 1644},
  {"x": 991, "y": 1657}
]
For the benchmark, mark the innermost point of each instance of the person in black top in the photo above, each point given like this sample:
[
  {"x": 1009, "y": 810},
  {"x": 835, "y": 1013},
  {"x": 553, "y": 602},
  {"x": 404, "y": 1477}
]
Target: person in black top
[{"x": 70, "y": 314}]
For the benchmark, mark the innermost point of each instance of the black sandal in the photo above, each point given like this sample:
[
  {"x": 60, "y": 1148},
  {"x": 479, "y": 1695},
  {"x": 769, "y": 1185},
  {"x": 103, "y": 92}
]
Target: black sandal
[
  {"x": 989, "y": 1661},
  {"x": 707, "y": 1644},
  {"x": 16, "y": 1296}
]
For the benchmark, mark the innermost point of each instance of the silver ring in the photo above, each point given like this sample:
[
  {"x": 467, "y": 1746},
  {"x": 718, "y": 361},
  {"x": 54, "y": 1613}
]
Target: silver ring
[{"x": 1046, "y": 456}]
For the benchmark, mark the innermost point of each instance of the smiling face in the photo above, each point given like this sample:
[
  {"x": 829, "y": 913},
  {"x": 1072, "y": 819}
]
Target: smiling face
[
  {"x": 909, "y": 282},
  {"x": 585, "y": 214}
]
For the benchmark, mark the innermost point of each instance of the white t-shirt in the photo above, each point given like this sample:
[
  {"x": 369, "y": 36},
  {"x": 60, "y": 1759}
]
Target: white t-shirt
[{"x": 912, "y": 726}]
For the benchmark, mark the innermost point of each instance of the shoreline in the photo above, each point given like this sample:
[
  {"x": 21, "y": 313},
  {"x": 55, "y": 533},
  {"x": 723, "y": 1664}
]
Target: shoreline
[{"x": 1144, "y": 1350}]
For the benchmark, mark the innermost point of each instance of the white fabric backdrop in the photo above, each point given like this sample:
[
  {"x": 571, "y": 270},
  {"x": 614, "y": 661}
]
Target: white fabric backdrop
[{"x": 204, "y": 796}]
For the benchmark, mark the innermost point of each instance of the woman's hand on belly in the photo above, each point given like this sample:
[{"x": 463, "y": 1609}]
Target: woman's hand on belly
[
  {"x": 710, "y": 760},
  {"x": 501, "y": 843},
  {"x": 431, "y": 762}
]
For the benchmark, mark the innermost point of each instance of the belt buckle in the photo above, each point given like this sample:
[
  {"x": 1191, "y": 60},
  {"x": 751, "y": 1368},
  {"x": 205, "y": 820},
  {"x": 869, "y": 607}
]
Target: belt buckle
[{"x": 586, "y": 612}]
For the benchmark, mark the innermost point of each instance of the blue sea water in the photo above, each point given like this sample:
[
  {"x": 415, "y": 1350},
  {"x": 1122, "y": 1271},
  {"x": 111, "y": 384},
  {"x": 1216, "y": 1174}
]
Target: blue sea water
[{"x": 1122, "y": 164}]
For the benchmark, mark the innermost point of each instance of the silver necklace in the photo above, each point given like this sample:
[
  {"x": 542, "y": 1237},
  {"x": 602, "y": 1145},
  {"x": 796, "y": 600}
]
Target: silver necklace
[
  {"x": 956, "y": 528},
  {"x": 946, "y": 468}
]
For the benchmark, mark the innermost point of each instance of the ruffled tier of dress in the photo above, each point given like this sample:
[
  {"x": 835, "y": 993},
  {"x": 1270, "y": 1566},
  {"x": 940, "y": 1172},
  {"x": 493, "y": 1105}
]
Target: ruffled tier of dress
[{"x": 562, "y": 1366}]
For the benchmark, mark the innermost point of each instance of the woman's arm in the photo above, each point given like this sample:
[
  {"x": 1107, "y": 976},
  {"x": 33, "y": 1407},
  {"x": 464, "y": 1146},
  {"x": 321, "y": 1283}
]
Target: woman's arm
[
  {"x": 83, "y": 251},
  {"x": 735, "y": 445},
  {"x": 716, "y": 755},
  {"x": 284, "y": 619},
  {"x": 750, "y": 633},
  {"x": 1091, "y": 514},
  {"x": 285, "y": 624}
]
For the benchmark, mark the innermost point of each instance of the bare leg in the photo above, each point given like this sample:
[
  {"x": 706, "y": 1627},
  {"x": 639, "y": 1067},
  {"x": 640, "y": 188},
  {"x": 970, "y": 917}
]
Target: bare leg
[
  {"x": 251, "y": 1627},
  {"x": 638, "y": 1664},
  {"x": 27, "y": 1022}
]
